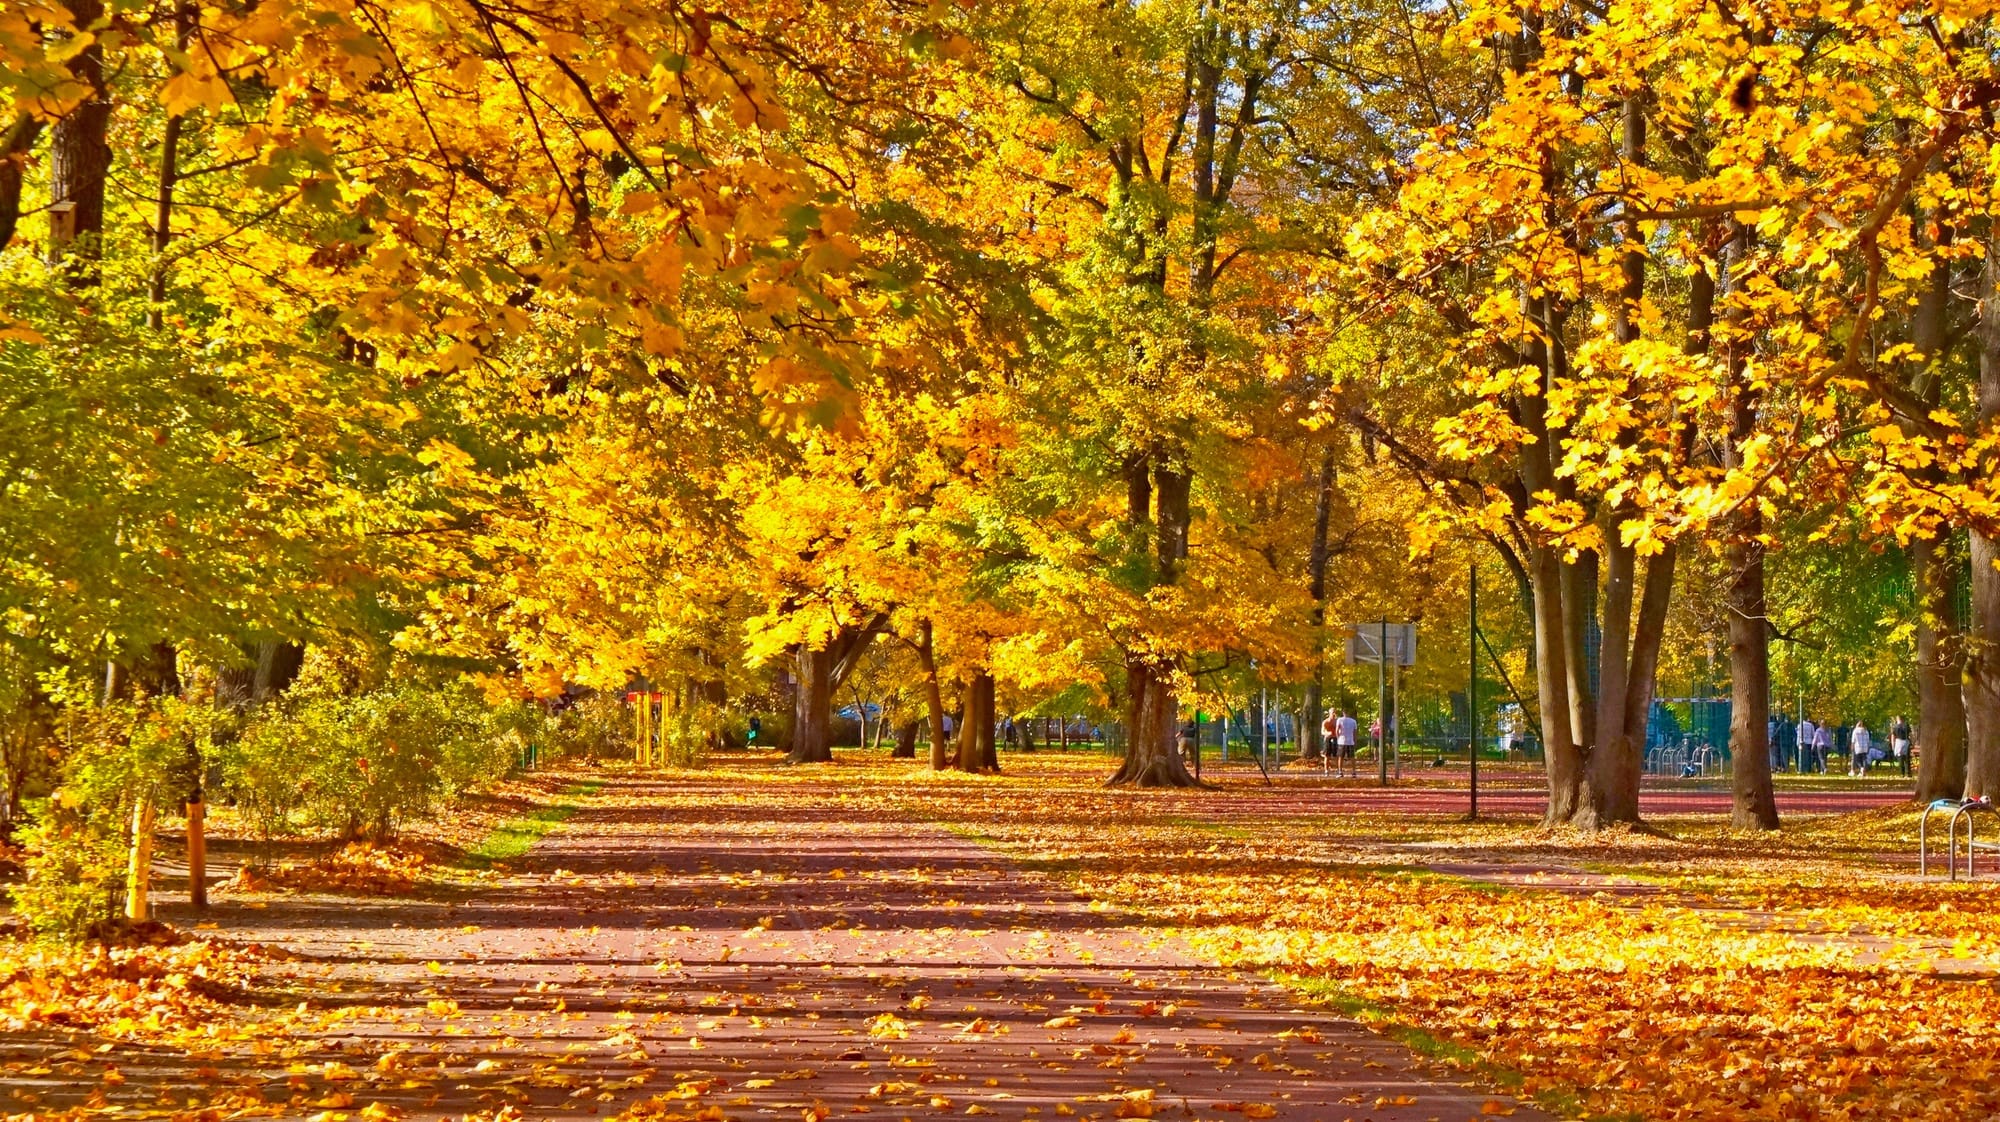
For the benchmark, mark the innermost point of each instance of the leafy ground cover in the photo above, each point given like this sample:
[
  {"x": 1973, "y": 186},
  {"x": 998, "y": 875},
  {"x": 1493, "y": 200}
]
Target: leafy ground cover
[
  {"x": 756, "y": 941},
  {"x": 1693, "y": 973}
]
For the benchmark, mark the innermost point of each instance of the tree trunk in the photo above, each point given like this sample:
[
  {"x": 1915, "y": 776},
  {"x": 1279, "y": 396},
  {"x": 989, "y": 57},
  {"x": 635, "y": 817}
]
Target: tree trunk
[
  {"x": 1754, "y": 805},
  {"x": 1940, "y": 731},
  {"x": 16, "y": 143},
  {"x": 1309, "y": 737},
  {"x": 139, "y": 869},
  {"x": 169, "y": 177},
  {"x": 1647, "y": 633},
  {"x": 1940, "y": 704},
  {"x": 1152, "y": 755},
  {"x": 934, "y": 701},
  {"x": 197, "y": 852},
  {"x": 1617, "y": 761},
  {"x": 1982, "y": 664},
  {"x": 906, "y": 740},
  {"x": 79, "y": 157},
  {"x": 1982, "y": 638},
  {"x": 1152, "y": 750},
  {"x": 812, "y": 709},
  {"x": 278, "y": 666},
  {"x": 1564, "y": 762},
  {"x": 975, "y": 733}
]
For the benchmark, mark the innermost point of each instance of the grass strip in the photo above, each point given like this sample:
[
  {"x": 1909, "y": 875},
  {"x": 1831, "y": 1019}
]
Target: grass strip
[{"x": 517, "y": 836}]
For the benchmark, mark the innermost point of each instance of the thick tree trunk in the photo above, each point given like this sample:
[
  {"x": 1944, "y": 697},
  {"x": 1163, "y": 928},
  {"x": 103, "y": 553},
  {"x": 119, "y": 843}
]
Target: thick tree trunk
[
  {"x": 1152, "y": 755},
  {"x": 278, "y": 665},
  {"x": 16, "y": 144},
  {"x": 812, "y": 709},
  {"x": 1617, "y": 761},
  {"x": 1309, "y": 735},
  {"x": 1940, "y": 729},
  {"x": 1982, "y": 638},
  {"x": 1981, "y": 681},
  {"x": 1940, "y": 732},
  {"x": 934, "y": 701},
  {"x": 906, "y": 740},
  {"x": 975, "y": 734},
  {"x": 1753, "y": 803},
  {"x": 1152, "y": 748},
  {"x": 1564, "y": 762},
  {"x": 1982, "y": 667},
  {"x": 79, "y": 157}
]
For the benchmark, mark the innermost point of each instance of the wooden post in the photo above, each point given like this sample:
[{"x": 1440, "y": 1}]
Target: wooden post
[
  {"x": 197, "y": 853},
  {"x": 139, "y": 874}
]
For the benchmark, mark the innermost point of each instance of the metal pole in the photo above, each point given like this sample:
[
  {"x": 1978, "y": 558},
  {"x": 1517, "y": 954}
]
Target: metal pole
[
  {"x": 1472, "y": 686},
  {"x": 1382, "y": 701},
  {"x": 1396, "y": 705}
]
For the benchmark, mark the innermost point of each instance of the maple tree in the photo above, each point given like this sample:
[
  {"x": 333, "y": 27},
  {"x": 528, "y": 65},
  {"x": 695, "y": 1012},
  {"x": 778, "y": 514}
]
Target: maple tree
[{"x": 1043, "y": 358}]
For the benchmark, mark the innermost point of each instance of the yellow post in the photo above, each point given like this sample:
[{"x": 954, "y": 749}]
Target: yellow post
[
  {"x": 139, "y": 874},
  {"x": 197, "y": 853}
]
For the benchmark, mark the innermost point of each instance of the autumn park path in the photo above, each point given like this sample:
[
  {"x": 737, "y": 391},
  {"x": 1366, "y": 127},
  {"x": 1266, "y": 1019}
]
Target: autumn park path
[{"x": 806, "y": 959}]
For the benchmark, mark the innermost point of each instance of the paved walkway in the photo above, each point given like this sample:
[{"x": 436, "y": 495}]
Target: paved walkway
[{"x": 754, "y": 962}]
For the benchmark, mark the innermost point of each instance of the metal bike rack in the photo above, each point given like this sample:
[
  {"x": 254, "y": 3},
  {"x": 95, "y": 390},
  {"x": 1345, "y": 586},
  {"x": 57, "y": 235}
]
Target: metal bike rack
[{"x": 1961, "y": 810}]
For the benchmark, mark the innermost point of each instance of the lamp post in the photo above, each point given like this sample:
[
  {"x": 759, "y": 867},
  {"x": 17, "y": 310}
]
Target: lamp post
[{"x": 1472, "y": 684}]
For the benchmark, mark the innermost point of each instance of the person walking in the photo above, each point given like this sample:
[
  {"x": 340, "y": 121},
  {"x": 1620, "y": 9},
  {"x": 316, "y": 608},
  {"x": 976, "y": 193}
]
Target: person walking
[
  {"x": 1899, "y": 743},
  {"x": 1822, "y": 746},
  {"x": 1807, "y": 730},
  {"x": 1344, "y": 732},
  {"x": 1860, "y": 744}
]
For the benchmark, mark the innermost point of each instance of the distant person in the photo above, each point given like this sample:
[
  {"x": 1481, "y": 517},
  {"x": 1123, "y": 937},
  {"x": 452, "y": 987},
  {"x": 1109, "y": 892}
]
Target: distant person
[
  {"x": 1861, "y": 745},
  {"x": 1822, "y": 746},
  {"x": 1329, "y": 732},
  {"x": 1344, "y": 733},
  {"x": 1807, "y": 730},
  {"x": 1899, "y": 743}
]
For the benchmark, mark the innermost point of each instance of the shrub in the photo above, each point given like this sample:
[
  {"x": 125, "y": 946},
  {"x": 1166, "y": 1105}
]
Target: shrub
[
  {"x": 690, "y": 730},
  {"x": 597, "y": 727},
  {"x": 260, "y": 770},
  {"x": 117, "y": 757},
  {"x": 75, "y": 869},
  {"x": 362, "y": 765}
]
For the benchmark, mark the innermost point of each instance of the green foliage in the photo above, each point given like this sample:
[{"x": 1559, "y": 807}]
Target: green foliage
[
  {"x": 359, "y": 765},
  {"x": 116, "y": 758},
  {"x": 517, "y": 836},
  {"x": 689, "y": 732},
  {"x": 75, "y": 868},
  {"x": 597, "y": 727}
]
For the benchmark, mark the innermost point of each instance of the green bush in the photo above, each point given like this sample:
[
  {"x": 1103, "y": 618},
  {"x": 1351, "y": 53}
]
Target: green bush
[
  {"x": 361, "y": 765},
  {"x": 116, "y": 756},
  {"x": 690, "y": 730},
  {"x": 75, "y": 869},
  {"x": 595, "y": 728},
  {"x": 260, "y": 771}
]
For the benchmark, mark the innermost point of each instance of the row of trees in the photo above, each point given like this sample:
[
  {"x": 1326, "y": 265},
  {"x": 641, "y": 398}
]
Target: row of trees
[{"x": 1084, "y": 355}]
